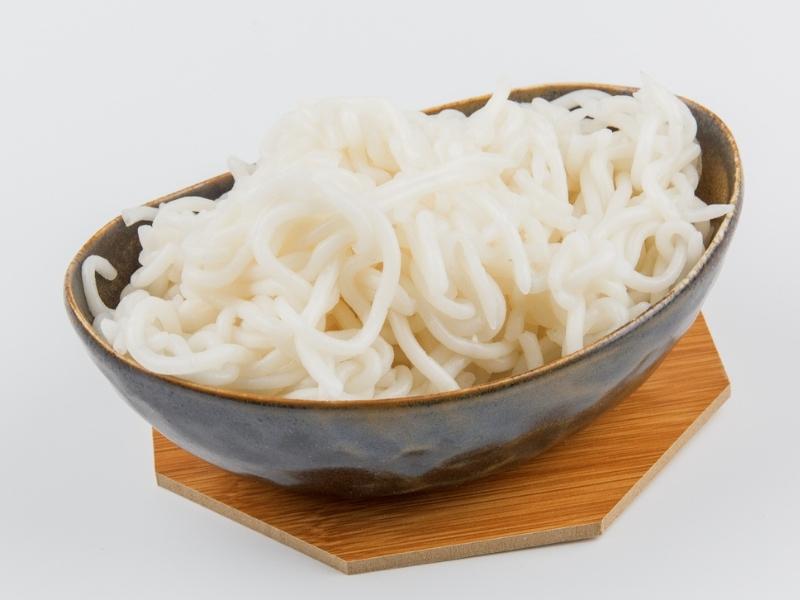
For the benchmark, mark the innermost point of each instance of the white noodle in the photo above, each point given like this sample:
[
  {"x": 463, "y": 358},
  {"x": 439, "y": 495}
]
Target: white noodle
[{"x": 372, "y": 252}]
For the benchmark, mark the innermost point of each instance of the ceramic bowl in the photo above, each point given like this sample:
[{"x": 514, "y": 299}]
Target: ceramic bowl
[{"x": 380, "y": 447}]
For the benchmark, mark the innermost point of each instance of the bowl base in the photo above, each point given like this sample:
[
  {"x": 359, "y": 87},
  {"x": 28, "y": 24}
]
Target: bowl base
[{"x": 573, "y": 491}]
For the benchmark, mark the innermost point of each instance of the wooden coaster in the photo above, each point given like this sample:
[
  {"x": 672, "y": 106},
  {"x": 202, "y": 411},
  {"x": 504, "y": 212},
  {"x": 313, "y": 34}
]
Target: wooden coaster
[{"x": 571, "y": 492}]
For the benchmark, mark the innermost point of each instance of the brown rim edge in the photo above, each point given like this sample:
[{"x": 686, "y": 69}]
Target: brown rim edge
[{"x": 463, "y": 393}]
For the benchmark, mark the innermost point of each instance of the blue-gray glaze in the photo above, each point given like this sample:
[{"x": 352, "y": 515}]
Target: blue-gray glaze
[{"x": 397, "y": 446}]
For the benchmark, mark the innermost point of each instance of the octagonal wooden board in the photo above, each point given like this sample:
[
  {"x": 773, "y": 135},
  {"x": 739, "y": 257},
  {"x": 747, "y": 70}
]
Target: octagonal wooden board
[{"x": 571, "y": 492}]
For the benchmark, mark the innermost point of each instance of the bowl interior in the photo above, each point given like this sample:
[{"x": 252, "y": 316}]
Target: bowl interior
[{"x": 720, "y": 178}]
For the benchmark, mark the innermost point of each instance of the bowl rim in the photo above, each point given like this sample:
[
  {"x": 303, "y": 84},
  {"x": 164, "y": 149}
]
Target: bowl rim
[{"x": 727, "y": 224}]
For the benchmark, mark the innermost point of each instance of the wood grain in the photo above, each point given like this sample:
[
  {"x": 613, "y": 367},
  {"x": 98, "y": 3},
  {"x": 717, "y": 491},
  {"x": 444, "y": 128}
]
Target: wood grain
[{"x": 573, "y": 491}]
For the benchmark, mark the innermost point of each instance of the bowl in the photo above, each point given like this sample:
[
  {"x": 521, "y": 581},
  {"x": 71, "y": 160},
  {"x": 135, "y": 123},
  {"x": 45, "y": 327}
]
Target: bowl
[{"x": 380, "y": 447}]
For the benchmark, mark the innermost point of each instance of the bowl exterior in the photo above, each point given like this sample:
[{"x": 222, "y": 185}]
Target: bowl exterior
[
  {"x": 358, "y": 452},
  {"x": 404, "y": 446}
]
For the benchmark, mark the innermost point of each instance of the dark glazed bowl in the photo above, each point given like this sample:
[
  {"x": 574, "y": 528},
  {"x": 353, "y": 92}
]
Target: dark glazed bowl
[{"x": 381, "y": 447}]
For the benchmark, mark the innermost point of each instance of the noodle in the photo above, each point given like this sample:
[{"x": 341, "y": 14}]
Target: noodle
[{"x": 373, "y": 252}]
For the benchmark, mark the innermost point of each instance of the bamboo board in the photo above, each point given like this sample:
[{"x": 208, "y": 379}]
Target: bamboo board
[{"x": 571, "y": 492}]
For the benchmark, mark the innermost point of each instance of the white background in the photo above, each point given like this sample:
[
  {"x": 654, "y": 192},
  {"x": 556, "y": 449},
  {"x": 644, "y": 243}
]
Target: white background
[{"x": 106, "y": 105}]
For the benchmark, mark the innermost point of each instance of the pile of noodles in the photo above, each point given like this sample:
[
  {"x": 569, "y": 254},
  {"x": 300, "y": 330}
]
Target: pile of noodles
[{"x": 373, "y": 252}]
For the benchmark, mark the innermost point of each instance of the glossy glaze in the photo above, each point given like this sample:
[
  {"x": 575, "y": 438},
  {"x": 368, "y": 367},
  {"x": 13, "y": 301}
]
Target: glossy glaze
[{"x": 369, "y": 448}]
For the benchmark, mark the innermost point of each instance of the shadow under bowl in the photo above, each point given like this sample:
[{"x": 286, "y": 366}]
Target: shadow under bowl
[{"x": 381, "y": 447}]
